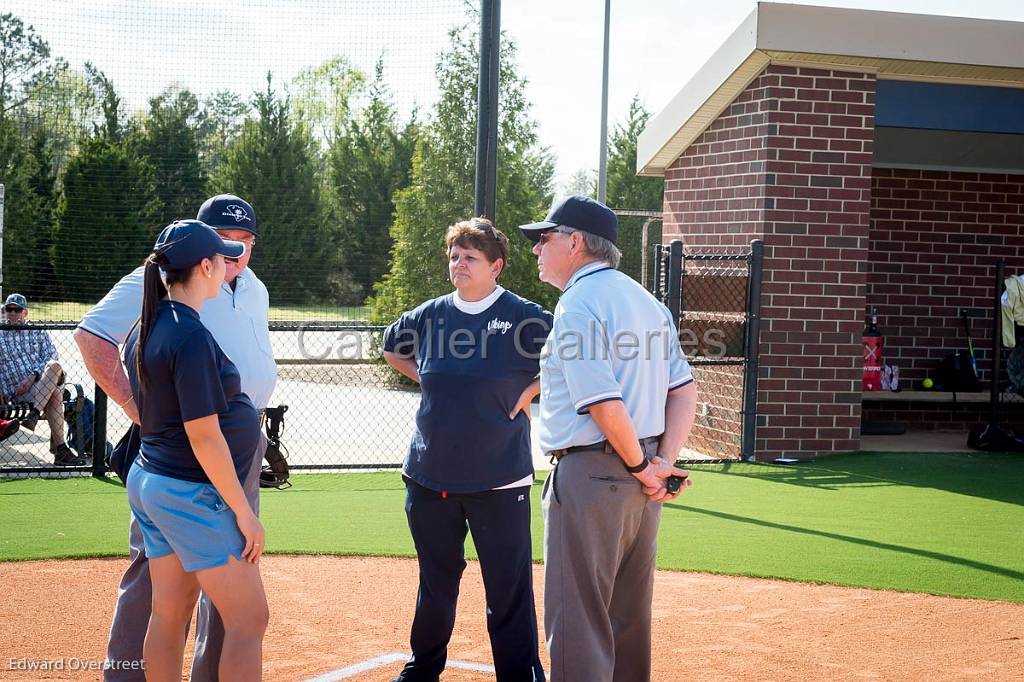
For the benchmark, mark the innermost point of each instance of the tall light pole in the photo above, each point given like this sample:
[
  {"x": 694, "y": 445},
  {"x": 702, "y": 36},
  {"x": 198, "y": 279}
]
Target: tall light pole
[
  {"x": 487, "y": 110},
  {"x": 602, "y": 166}
]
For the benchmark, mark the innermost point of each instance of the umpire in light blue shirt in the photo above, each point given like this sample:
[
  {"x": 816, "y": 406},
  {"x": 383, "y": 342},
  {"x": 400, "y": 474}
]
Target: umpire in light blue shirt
[
  {"x": 238, "y": 319},
  {"x": 617, "y": 404}
]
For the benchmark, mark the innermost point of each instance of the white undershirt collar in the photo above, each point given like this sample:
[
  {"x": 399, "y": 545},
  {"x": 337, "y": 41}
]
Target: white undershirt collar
[{"x": 476, "y": 307}]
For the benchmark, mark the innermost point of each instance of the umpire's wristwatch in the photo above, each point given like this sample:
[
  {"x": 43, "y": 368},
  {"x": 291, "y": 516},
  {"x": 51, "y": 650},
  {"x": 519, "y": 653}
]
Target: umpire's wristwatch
[{"x": 639, "y": 467}]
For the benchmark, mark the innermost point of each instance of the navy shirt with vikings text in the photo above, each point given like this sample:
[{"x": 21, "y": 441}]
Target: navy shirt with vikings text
[
  {"x": 188, "y": 377},
  {"x": 473, "y": 367}
]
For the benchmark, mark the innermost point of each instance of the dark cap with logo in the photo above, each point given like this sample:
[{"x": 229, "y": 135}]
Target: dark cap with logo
[
  {"x": 578, "y": 212},
  {"x": 17, "y": 300},
  {"x": 228, "y": 212},
  {"x": 185, "y": 243}
]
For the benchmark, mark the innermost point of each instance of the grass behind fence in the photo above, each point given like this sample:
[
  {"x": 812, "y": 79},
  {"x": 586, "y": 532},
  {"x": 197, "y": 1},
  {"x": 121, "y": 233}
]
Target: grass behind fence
[{"x": 944, "y": 524}]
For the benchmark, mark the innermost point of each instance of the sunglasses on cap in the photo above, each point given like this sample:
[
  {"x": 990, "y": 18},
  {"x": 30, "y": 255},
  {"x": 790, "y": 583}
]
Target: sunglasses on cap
[{"x": 487, "y": 227}]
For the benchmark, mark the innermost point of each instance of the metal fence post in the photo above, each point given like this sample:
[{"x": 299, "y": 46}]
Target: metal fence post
[
  {"x": 99, "y": 434},
  {"x": 487, "y": 109},
  {"x": 2, "y": 201},
  {"x": 675, "y": 278},
  {"x": 751, "y": 350},
  {"x": 997, "y": 343}
]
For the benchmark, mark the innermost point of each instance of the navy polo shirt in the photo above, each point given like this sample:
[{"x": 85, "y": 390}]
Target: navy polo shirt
[
  {"x": 188, "y": 377},
  {"x": 473, "y": 367}
]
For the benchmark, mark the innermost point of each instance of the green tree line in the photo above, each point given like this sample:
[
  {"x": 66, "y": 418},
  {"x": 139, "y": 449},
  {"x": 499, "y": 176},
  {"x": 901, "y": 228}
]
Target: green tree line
[{"x": 353, "y": 199}]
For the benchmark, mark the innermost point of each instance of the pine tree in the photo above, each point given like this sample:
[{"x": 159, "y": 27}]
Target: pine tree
[
  {"x": 108, "y": 213},
  {"x": 22, "y": 211},
  {"x": 24, "y": 60},
  {"x": 219, "y": 124},
  {"x": 169, "y": 143},
  {"x": 441, "y": 192},
  {"x": 273, "y": 165},
  {"x": 107, "y": 218},
  {"x": 44, "y": 185},
  {"x": 367, "y": 163},
  {"x": 24, "y": 55},
  {"x": 628, "y": 190}
]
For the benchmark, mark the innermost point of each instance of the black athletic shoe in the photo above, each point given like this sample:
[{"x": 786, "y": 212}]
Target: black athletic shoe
[
  {"x": 31, "y": 420},
  {"x": 63, "y": 456}
]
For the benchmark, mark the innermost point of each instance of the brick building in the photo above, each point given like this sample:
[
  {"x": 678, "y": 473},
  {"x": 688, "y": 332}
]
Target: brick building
[{"x": 880, "y": 157}]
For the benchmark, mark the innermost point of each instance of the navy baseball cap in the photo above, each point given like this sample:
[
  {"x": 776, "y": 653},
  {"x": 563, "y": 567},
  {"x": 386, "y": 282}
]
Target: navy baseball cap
[
  {"x": 17, "y": 300},
  {"x": 228, "y": 212},
  {"x": 580, "y": 213},
  {"x": 184, "y": 243}
]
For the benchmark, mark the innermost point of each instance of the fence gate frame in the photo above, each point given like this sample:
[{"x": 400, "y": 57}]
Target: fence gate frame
[{"x": 669, "y": 276}]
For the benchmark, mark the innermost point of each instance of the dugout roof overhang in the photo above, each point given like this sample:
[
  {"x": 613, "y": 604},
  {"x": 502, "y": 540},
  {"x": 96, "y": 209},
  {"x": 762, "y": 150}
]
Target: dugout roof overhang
[{"x": 950, "y": 90}]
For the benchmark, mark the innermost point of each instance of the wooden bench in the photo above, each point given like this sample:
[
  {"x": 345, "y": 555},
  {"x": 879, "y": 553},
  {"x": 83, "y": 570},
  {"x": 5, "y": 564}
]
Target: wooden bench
[{"x": 930, "y": 396}]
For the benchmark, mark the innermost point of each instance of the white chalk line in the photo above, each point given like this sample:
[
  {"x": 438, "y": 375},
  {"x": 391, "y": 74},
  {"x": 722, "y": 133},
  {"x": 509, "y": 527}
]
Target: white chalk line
[{"x": 351, "y": 671}]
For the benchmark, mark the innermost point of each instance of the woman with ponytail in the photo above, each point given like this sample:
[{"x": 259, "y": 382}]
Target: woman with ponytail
[{"x": 199, "y": 431}]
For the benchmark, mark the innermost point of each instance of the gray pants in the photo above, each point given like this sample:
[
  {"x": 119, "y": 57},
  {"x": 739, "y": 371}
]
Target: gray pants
[
  {"x": 135, "y": 603},
  {"x": 600, "y": 541}
]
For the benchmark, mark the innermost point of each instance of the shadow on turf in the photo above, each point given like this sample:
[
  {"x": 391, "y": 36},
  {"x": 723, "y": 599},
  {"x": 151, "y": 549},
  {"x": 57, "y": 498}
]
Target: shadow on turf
[
  {"x": 946, "y": 558},
  {"x": 992, "y": 476}
]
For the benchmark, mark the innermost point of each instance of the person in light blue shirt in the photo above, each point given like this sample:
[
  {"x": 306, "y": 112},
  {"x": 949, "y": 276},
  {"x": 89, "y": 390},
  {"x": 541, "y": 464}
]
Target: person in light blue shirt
[
  {"x": 238, "y": 320},
  {"x": 617, "y": 404}
]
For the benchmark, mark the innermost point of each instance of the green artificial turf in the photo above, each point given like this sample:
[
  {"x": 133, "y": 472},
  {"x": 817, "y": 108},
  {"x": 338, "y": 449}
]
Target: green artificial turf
[{"x": 944, "y": 524}]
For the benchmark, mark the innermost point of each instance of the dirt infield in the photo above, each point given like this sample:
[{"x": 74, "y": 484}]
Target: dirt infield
[{"x": 331, "y": 613}]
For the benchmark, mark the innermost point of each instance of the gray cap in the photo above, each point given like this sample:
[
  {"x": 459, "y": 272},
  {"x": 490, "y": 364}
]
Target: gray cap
[{"x": 18, "y": 300}]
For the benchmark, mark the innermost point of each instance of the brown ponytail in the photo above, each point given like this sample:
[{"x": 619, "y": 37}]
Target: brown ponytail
[{"x": 153, "y": 291}]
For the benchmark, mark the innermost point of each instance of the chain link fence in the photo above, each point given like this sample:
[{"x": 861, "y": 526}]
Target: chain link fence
[
  {"x": 715, "y": 296},
  {"x": 348, "y": 411},
  {"x": 639, "y": 232}
]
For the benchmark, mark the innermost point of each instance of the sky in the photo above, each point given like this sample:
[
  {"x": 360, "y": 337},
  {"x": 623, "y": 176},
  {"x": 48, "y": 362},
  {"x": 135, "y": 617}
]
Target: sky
[{"x": 655, "y": 47}]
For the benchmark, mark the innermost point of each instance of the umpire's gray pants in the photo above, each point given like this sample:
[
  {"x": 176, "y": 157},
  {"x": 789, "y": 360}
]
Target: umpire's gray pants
[
  {"x": 600, "y": 541},
  {"x": 135, "y": 603}
]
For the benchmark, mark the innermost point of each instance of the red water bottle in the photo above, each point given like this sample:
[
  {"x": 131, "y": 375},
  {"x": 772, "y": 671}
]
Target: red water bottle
[{"x": 873, "y": 342}]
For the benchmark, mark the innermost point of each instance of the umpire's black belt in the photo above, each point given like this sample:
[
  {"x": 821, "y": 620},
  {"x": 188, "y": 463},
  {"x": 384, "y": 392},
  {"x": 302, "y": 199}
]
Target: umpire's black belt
[{"x": 600, "y": 446}]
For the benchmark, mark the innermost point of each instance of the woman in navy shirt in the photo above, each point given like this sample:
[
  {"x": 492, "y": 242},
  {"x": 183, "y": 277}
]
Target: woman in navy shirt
[
  {"x": 475, "y": 354},
  {"x": 199, "y": 431}
]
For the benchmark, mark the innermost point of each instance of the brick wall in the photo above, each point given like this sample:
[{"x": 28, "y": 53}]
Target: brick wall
[
  {"x": 790, "y": 162},
  {"x": 935, "y": 236},
  {"x": 714, "y": 192}
]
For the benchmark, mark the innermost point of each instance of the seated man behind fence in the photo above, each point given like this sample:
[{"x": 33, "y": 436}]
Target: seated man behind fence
[{"x": 31, "y": 374}]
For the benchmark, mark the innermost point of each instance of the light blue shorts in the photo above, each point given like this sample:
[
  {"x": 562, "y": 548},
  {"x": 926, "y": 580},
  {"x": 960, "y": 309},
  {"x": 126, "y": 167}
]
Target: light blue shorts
[{"x": 188, "y": 519}]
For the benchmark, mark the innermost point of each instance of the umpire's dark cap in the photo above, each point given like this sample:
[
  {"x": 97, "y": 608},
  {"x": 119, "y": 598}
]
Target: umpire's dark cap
[
  {"x": 578, "y": 212},
  {"x": 185, "y": 243},
  {"x": 228, "y": 212}
]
